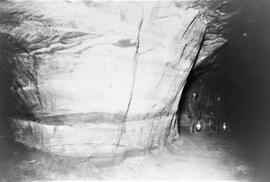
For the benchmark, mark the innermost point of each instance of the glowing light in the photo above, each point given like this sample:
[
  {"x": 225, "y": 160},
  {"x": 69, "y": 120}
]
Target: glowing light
[
  {"x": 224, "y": 126},
  {"x": 198, "y": 126}
]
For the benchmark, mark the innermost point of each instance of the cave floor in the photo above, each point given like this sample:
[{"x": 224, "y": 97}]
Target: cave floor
[
  {"x": 202, "y": 156},
  {"x": 199, "y": 157}
]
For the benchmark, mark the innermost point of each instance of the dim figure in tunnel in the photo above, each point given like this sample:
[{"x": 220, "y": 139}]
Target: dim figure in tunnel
[
  {"x": 195, "y": 114},
  {"x": 218, "y": 116}
]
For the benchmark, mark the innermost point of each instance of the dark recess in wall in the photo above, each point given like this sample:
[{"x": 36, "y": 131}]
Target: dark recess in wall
[{"x": 243, "y": 71}]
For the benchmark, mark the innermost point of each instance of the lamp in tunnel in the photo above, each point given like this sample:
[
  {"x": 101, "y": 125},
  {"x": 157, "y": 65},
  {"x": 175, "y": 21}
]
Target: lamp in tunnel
[
  {"x": 198, "y": 126},
  {"x": 224, "y": 127}
]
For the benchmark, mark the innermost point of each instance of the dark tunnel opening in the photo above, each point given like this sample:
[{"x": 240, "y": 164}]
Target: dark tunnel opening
[
  {"x": 207, "y": 84},
  {"x": 247, "y": 82},
  {"x": 242, "y": 76}
]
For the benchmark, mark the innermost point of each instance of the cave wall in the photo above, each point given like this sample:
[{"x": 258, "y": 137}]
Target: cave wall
[{"x": 100, "y": 79}]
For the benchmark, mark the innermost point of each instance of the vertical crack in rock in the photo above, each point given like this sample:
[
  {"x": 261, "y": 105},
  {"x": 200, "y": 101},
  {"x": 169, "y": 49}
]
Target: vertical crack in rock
[
  {"x": 35, "y": 81},
  {"x": 190, "y": 24},
  {"x": 181, "y": 86},
  {"x": 183, "y": 52},
  {"x": 200, "y": 48},
  {"x": 171, "y": 126},
  {"x": 135, "y": 62},
  {"x": 192, "y": 62}
]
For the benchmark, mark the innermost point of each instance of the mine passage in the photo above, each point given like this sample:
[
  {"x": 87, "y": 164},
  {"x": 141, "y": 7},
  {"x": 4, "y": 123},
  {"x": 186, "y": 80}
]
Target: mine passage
[{"x": 134, "y": 90}]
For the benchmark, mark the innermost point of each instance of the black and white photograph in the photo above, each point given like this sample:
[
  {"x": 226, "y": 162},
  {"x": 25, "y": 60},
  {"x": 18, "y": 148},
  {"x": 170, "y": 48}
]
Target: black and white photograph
[{"x": 134, "y": 90}]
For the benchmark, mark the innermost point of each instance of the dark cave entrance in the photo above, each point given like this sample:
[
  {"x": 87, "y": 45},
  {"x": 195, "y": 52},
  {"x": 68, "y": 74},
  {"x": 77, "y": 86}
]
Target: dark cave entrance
[
  {"x": 242, "y": 77},
  {"x": 207, "y": 81}
]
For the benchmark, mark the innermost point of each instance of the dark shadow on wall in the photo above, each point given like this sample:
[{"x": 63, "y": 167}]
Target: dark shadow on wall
[
  {"x": 11, "y": 78},
  {"x": 11, "y": 104}
]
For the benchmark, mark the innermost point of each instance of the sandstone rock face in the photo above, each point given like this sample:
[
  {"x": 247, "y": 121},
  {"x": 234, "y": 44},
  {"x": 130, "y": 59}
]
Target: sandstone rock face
[{"x": 102, "y": 79}]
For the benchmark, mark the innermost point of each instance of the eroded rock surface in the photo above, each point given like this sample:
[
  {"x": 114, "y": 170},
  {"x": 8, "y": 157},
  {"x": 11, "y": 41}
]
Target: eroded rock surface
[{"x": 100, "y": 79}]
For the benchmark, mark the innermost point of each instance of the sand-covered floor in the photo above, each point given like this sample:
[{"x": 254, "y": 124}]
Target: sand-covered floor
[{"x": 202, "y": 157}]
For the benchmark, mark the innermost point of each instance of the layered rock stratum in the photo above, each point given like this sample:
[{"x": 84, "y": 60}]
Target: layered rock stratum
[{"x": 99, "y": 79}]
